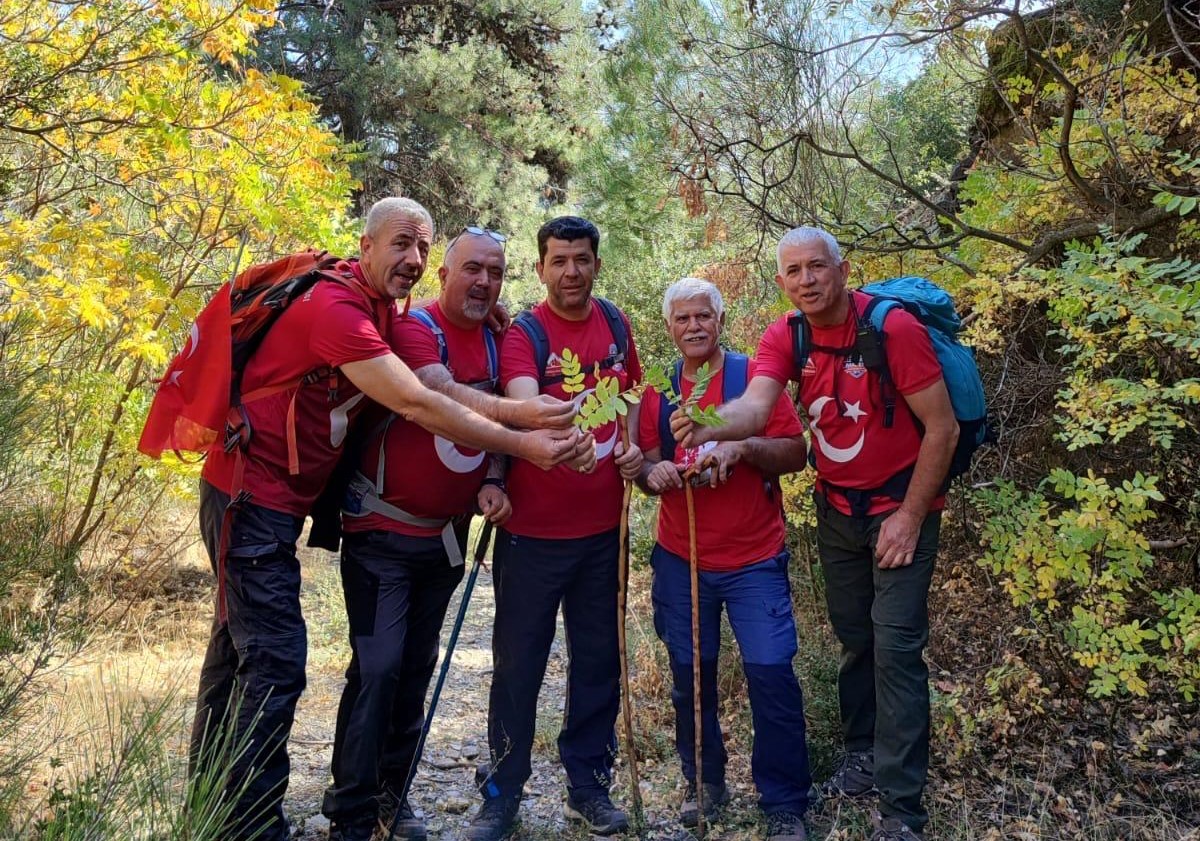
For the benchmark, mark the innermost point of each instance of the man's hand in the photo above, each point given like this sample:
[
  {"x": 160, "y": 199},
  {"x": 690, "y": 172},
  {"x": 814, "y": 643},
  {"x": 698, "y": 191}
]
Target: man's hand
[
  {"x": 664, "y": 476},
  {"x": 494, "y": 504},
  {"x": 688, "y": 434},
  {"x": 628, "y": 460},
  {"x": 719, "y": 461},
  {"x": 897, "y": 539},
  {"x": 584, "y": 459},
  {"x": 548, "y": 447},
  {"x": 498, "y": 319},
  {"x": 544, "y": 412}
]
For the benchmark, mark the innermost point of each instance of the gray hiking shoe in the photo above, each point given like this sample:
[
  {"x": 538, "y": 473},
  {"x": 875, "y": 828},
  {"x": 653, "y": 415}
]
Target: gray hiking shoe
[
  {"x": 496, "y": 819},
  {"x": 716, "y": 795},
  {"x": 407, "y": 826},
  {"x": 598, "y": 812},
  {"x": 854, "y": 776},
  {"x": 894, "y": 829},
  {"x": 786, "y": 826}
]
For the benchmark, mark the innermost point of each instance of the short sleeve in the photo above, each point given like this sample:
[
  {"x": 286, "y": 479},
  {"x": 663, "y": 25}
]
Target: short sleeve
[
  {"x": 648, "y": 420},
  {"x": 345, "y": 331},
  {"x": 415, "y": 343},
  {"x": 516, "y": 357},
  {"x": 774, "y": 356},
  {"x": 911, "y": 360}
]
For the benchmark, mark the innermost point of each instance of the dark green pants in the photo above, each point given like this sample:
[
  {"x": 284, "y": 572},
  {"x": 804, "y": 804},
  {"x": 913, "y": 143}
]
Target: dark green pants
[{"x": 881, "y": 618}]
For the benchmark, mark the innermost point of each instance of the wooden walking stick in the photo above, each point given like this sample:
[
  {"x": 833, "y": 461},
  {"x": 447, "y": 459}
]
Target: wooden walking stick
[
  {"x": 694, "y": 563},
  {"x": 622, "y": 598}
]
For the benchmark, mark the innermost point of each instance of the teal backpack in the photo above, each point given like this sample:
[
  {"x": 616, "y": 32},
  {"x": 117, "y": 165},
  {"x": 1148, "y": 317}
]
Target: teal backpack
[{"x": 934, "y": 308}]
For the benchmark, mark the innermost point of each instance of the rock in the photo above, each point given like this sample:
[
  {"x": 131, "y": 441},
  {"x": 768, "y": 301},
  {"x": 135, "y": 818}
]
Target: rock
[
  {"x": 469, "y": 751},
  {"x": 444, "y": 763},
  {"x": 455, "y": 804}
]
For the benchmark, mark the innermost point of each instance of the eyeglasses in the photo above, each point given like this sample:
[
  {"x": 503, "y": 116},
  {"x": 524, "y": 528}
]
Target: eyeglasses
[{"x": 477, "y": 231}]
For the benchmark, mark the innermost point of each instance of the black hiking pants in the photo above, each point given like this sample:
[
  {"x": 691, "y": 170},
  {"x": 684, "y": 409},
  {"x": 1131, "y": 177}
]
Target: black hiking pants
[
  {"x": 532, "y": 578},
  {"x": 881, "y": 618},
  {"x": 397, "y": 590},
  {"x": 253, "y": 670}
]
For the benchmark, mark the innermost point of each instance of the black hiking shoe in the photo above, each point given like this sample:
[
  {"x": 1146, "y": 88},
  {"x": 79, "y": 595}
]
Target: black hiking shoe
[
  {"x": 854, "y": 776},
  {"x": 356, "y": 830},
  {"x": 496, "y": 819},
  {"x": 894, "y": 829},
  {"x": 716, "y": 795},
  {"x": 598, "y": 812},
  {"x": 786, "y": 826},
  {"x": 408, "y": 827}
]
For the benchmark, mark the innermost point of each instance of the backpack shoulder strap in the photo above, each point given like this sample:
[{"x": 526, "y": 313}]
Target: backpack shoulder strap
[
  {"x": 616, "y": 325},
  {"x": 666, "y": 439},
  {"x": 736, "y": 376},
  {"x": 493, "y": 357},
  {"x": 874, "y": 316},
  {"x": 422, "y": 315},
  {"x": 529, "y": 324},
  {"x": 801, "y": 340}
]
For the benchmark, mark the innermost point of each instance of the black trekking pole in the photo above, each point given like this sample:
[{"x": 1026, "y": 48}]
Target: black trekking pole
[{"x": 485, "y": 538}]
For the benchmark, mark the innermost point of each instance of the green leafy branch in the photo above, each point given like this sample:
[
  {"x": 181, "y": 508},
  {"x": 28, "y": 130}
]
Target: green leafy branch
[
  {"x": 606, "y": 401},
  {"x": 706, "y": 416}
]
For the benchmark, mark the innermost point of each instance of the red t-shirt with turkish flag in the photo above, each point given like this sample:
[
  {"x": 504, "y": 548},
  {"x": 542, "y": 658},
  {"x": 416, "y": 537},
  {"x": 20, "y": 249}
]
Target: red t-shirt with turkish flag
[
  {"x": 852, "y": 447},
  {"x": 738, "y": 523},
  {"x": 562, "y": 502},
  {"x": 329, "y": 325},
  {"x": 425, "y": 474}
]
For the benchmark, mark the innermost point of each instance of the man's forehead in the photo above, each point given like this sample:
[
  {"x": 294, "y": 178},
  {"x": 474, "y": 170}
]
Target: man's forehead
[
  {"x": 476, "y": 249},
  {"x": 411, "y": 228},
  {"x": 694, "y": 304},
  {"x": 804, "y": 252},
  {"x": 563, "y": 246}
]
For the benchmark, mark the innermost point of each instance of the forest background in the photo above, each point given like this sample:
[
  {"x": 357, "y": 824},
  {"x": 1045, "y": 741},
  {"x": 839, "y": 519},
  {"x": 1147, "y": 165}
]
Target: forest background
[{"x": 1042, "y": 162}]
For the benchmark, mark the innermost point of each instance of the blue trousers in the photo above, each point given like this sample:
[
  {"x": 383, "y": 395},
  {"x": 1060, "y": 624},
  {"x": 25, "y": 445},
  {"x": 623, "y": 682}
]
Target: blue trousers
[
  {"x": 397, "y": 589},
  {"x": 253, "y": 670},
  {"x": 758, "y": 601},
  {"x": 532, "y": 578}
]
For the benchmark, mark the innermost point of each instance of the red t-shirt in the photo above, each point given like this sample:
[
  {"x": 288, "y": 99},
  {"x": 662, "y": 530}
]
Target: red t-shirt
[
  {"x": 425, "y": 474},
  {"x": 328, "y": 326},
  {"x": 737, "y": 524},
  {"x": 853, "y": 449},
  {"x": 562, "y": 502}
]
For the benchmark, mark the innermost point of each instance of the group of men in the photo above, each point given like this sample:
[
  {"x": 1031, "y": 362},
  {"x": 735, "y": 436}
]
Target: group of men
[{"x": 438, "y": 416}]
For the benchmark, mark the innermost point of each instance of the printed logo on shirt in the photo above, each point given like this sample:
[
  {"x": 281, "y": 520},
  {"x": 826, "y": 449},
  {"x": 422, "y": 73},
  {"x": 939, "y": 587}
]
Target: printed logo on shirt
[
  {"x": 810, "y": 368},
  {"x": 855, "y": 368},
  {"x": 553, "y": 365}
]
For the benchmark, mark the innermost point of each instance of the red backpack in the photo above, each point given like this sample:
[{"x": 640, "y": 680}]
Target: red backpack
[{"x": 199, "y": 399}]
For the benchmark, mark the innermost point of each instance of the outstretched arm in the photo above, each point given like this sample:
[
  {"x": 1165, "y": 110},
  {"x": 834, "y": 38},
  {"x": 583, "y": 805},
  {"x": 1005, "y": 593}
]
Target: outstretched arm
[
  {"x": 540, "y": 411},
  {"x": 387, "y": 380},
  {"x": 773, "y": 456},
  {"x": 744, "y": 417}
]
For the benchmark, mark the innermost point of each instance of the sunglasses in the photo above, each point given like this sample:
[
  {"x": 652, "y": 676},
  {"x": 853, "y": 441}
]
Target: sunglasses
[{"x": 475, "y": 230}]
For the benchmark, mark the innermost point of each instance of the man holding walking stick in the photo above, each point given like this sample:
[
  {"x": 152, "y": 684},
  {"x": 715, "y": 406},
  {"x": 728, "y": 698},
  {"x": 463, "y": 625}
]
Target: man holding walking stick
[
  {"x": 738, "y": 533},
  {"x": 406, "y": 523},
  {"x": 560, "y": 548}
]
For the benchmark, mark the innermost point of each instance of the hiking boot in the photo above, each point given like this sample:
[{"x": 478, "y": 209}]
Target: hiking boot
[
  {"x": 786, "y": 826},
  {"x": 854, "y": 776},
  {"x": 598, "y": 812},
  {"x": 408, "y": 827},
  {"x": 893, "y": 829},
  {"x": 716, "y": 795},
  {"x": 496, "y": 819},
  {"x": 358, "y": 830}
]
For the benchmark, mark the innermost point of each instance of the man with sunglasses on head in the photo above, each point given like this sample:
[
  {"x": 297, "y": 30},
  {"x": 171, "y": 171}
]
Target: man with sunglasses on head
[
  {"x": 560, "y": 548},
  {"x": 405, "y": 524}
]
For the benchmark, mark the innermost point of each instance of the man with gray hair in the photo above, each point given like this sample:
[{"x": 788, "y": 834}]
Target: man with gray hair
[
  {"x": 881, "y": 468},
  {"x": 740, "y": 542},
  {"x": 302, "y": 389}
]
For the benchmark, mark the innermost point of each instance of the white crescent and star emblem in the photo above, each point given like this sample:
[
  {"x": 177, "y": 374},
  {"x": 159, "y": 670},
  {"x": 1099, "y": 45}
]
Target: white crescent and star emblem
[
  {"x": 455, "y": 460},
  {"x": 838, "y": 454}
]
